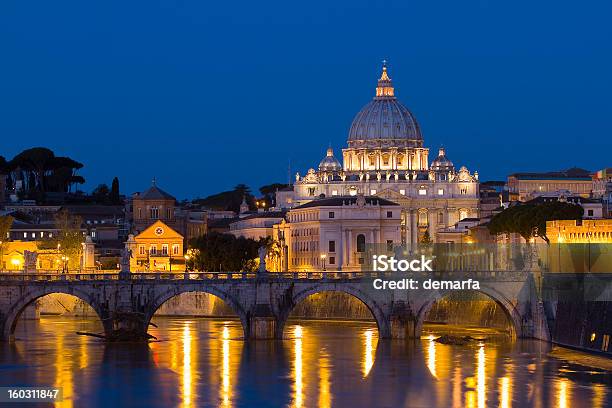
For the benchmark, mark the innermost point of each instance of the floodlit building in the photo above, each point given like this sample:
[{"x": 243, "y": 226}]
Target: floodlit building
[
  {"x": 386, "y": 157},
  {"x": 332, "y": 233},
  {"x": 526, "y": 186},
  {"x": 157, "y": 248},
  {"x": 583, "y": 231}
]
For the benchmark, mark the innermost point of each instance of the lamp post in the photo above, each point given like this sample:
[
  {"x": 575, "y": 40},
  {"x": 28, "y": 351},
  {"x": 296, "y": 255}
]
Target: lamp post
[
  {"x": 1, "y": 255},
  {"x": 186, "y": 260},
  {"x": 323, "y": 256}
]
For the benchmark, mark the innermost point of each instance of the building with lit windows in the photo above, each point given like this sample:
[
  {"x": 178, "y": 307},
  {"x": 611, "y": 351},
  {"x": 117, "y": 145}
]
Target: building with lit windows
[
  {"x": 152, "y": 205},
  {"x": 526, "y": 186},
  {"x": 386, "y": 157},
  {"x": 332, "y": 233},
  {"x": 157, "y": 248}
]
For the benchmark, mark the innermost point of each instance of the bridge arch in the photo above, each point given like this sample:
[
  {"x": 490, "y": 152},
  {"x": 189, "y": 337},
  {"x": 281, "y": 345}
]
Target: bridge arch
[
  {"x": 510, "y": 311},
  {"x": 15, "y": 311},
  {"x": 298, "y": 296},
  {"x": 230, "y": 300}
]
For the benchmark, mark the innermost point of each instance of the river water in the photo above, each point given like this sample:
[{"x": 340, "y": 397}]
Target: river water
[{"x": 202, "y": 362}]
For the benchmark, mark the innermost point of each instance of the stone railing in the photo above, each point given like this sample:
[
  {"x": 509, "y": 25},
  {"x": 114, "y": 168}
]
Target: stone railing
[{"x": 225, "y": 276}]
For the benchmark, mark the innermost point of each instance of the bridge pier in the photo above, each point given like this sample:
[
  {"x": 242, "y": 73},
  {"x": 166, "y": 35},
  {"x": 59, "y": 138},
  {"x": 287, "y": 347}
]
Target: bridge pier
[{"x": 402, "y": 323}]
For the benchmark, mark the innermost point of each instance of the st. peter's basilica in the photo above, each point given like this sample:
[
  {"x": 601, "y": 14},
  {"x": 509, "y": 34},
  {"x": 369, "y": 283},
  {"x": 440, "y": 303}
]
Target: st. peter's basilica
[{"x": 386, "y": 157}]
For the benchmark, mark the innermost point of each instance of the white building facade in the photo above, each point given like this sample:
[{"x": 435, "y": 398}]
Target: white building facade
[
  {"x": 332, "y": 233},
  {"x": 386, "y": 157}
]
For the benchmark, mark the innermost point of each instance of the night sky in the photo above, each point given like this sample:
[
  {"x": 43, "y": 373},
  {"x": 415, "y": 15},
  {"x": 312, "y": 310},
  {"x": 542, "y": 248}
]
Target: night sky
[{"x": 205, "y": 95}]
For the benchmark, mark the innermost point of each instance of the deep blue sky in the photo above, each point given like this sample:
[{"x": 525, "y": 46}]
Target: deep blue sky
[{"x": 204, "y": 95}]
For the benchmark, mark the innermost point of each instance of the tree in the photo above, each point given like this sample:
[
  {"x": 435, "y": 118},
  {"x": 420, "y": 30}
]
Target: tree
[
  {"x": 426, "y": 238},
  {"x": 35, "y": 161},
  {"x": 224, "y": 252},
  {"x": 228, "y": 200},
  {"x": 101, "y": 194},
  {"x": 68, "y": 239},
  {"x": 6, "y": 221},
  {"x": 529, "y": 220},
  {"x": 269, "y": 192},
  {"x": 114, "y": 193}
]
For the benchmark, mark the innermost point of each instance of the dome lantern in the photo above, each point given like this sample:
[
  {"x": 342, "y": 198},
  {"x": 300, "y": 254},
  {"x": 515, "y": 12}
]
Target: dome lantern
[{"x": 385, "y": 120}]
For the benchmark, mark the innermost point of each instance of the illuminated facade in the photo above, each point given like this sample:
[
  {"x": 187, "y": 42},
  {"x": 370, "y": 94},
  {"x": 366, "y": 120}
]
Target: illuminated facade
[
  {"x": 332, "y": 233},
  {"x": 579, "y": 232},
  {"x": 157, "y": 248},
  {"x": 386, "y": 157},
  {"x": 526, "y": 186}
]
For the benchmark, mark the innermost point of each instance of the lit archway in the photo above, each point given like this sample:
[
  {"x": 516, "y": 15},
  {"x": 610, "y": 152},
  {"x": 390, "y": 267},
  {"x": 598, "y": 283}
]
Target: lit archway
[
  {"x": 209, "y": 303},
  {"x": 346, "y": 297},
  {"x": 73, "y": 303},
  {"x": 484, "y": 308}
]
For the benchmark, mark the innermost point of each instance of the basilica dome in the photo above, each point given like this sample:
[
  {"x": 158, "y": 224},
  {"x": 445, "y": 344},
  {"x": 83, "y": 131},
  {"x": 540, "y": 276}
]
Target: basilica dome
[
  {"x": 442, "y": 162},
  {"x": 329, "y": 162},
  {"x": 385, "y": 121}
]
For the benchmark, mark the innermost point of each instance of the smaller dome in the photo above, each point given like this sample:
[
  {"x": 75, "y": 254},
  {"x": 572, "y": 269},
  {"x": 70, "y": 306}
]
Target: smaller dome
[
  {"x": 442, "y": 162},
  {"x": 329, "y": 162}
]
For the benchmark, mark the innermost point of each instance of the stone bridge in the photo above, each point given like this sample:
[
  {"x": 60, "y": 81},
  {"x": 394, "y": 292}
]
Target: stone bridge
[{"x": 263, "y": 302}]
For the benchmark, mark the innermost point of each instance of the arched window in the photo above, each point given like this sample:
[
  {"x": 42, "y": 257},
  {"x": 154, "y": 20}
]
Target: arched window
[{"x": 361, "y": 243}]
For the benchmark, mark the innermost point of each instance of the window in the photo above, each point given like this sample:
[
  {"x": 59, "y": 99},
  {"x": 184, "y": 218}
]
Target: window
[
  {"x": 332, "y": 214},
  {"x": 169, "y": 213},
  {"x": 372, "y": 192},
  {"x": 403, "y": 192},
  {"x": 141, "y": 249},
  {"x": 422, "y": 191},
  {"x": 389, "y": 245},
  {"x": 164, "y": 249},
  {"x": 361, "y": 242},
  {"x": 154, "y": 212},
  {"x": 25, "y": 234},
  {"x": 389, "y": 214},
  {"x": 440, "y": 191},
  {"x": 331, "y": 246},
  {"x": 332, "y": 260},
  {"x": 334, "y": 192},
  {"x": 311, "y": 191},
  {"x": 153, "y": 250},
  {"x": 590, "y": 213},
  {"x": 93, "y": 234},
  {"x": 440, "y": 217},
  {"x": 175, "y": 249},
  {"x": 140, "y": 213}
]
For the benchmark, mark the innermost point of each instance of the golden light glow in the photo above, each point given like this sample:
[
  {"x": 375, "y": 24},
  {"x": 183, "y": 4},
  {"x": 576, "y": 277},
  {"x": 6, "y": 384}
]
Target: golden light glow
[
  {"x": 324, "y": 381},
  {"x": 63, "y": 373},
  {"x": 431, "y": 355},
  {"x": 368, "y": 352},
  {"x": 593, "y": 336},
  {"x": 298, "y": 387},
  {"x": 480, "y": 377},
  {"x": 505, "y": 393},
  {"x": 225, "y": 372},
  {"x": 186, "y": 383},
  {"x": 562, "y": 393}
]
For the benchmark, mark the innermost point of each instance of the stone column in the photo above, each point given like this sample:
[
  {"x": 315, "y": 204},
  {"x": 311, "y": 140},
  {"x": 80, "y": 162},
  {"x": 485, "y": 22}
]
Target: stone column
[
  {"x": 88, "y": 259},
  {"x": 414, "y": 236},
  {"x": 432, "y": 215},
  {"x": 340, "y": 250},
  {"x": 346, "y": 248}
]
